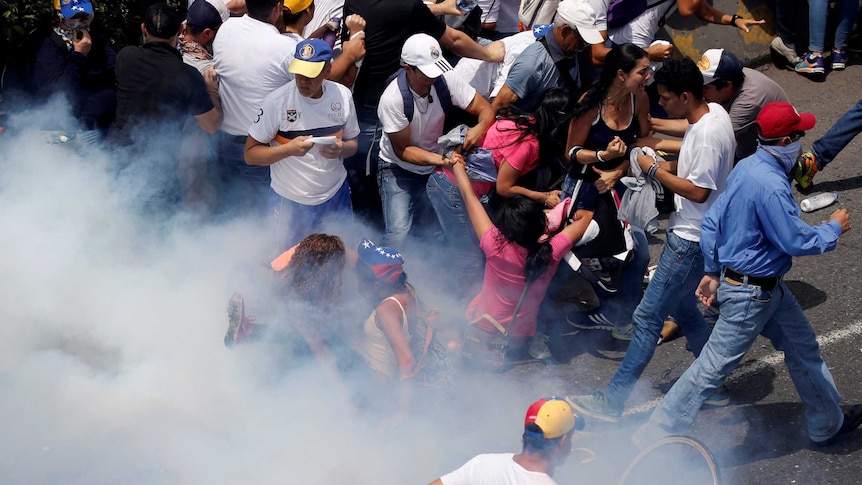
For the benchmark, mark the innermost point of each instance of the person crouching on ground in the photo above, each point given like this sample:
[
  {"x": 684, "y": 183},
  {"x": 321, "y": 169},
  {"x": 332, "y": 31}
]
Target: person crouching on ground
[{"x": 385, "y": 340}]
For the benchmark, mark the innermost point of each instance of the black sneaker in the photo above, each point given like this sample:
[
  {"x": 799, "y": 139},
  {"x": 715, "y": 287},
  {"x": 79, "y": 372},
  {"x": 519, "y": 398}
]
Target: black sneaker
[
  {"x": 852, "y": 420},
  {"x": 594, "y": 320}
]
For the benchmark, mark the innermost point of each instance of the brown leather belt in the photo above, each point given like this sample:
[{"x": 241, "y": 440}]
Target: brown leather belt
[{"x": 765, "y": 283}]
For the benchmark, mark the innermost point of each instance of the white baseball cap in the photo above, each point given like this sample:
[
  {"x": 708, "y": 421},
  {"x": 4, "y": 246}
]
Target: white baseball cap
[
  {"x": 718, "y": 64},
  {"x": 424, "y": 52},
  {"x": 578, "y": 14}
]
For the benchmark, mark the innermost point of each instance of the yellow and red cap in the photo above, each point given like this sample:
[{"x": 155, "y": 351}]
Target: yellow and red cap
[{"x": 552, "y": 415}]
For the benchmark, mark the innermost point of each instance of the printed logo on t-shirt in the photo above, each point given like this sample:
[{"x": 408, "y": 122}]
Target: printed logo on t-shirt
[
  {"x": 259, "y": 114},
  {"x": 336, "y": 106},
  {"x": 292, "y": 115}
]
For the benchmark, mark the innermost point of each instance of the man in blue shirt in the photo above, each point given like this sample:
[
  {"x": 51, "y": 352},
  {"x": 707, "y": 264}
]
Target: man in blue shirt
[
  {"x": 748, "y": 239},
  {"x": 552, "y": 60}
]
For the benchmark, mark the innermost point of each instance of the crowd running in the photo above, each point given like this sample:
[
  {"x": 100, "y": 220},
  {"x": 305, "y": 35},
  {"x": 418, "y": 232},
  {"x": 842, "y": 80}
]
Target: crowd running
[{"x": 517, "y": 168}]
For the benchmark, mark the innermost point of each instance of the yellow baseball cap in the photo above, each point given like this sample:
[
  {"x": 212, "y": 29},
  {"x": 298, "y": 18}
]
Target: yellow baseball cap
[{"x": 296, "y": 6}]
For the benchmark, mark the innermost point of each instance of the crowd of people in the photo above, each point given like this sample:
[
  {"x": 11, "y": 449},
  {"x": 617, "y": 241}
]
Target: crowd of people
[{"x": 534, "y": 160}]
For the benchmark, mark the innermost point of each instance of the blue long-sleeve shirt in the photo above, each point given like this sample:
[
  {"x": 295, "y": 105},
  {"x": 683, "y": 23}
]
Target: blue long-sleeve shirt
[{"x": 754, "y": 226}]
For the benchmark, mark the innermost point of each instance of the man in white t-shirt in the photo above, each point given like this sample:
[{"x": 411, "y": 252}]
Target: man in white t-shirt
[
  {"x": 697, "y": 179},
  {"x": 251, "y": 58},
  {"x": 304, "y": 131},
  {"x": 548, "y": 429},
  {"x": 408, "y": 147},
  {"x": 489, "y": 77},
  {"x": 741, "y": 91}
]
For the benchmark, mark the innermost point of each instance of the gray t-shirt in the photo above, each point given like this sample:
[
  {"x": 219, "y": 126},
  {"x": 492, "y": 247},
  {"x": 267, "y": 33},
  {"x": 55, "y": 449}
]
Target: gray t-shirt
[{"x": 757, "y": 91}]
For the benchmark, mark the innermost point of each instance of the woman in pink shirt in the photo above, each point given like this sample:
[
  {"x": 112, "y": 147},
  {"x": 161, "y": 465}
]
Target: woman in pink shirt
[{"x": 517, "y": 255}]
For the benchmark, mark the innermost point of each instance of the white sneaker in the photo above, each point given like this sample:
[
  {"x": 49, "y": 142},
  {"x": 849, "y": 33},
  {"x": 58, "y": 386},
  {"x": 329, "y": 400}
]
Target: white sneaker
[
  {"x": 539, "y": 347},
  {"x": 784, "y": 50}
]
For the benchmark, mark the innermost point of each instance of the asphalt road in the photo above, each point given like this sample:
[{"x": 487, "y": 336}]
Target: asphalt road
[{"x": 760, "y": 437}]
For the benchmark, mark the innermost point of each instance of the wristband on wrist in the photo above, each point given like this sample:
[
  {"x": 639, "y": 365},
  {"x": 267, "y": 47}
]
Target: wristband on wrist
[
  {"x": 733, "y": 19},
  {"x": 653, "y": 169},
  {"x": 599, "y": 157},
  {"x": 573, "y": 152}
]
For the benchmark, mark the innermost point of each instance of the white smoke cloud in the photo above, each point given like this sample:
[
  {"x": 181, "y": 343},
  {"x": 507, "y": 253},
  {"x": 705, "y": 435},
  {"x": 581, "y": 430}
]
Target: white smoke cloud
[{"x": 112, "y": 366}]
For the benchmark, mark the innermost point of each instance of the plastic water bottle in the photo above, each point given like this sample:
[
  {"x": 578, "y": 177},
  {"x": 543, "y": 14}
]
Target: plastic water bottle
[
  {"x": 466, "y": 6},
  {"x": 331, "y": 35},
  {"x": 819, "y": 201}
]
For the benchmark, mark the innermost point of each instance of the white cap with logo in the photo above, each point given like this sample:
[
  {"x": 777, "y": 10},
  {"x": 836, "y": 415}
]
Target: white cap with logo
[
  {"x": 423, "y": 52},
  {"x": 578, "y": 14}
]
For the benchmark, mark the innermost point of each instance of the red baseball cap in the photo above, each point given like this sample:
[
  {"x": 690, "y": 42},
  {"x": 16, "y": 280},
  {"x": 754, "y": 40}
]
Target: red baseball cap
[{"x": 781, "y": 119}]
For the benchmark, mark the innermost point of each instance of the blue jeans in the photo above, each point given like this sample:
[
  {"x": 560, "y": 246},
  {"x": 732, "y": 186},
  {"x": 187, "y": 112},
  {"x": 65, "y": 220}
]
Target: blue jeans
[
  {"x": 462, "y": 245},
  {"x": 827, "y": 147},
  {"x": 295, "y": 221},
  {"x": 568, "y": 186},
  {"x": 243, "y": 189},
  {"x": 746, "y": 311},
  {"x": 818, "y": 11},
  {"x": 671, "y": 292},
  {"x": 632, "y": 278},
  {"x": 362, "y": 167},
  {"x": 405, "y": 199}
]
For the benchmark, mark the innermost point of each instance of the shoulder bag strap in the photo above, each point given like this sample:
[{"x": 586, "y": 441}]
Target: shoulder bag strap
[
  {"x": 518, "y": 306},
  {"x": 564, "y": 72}
]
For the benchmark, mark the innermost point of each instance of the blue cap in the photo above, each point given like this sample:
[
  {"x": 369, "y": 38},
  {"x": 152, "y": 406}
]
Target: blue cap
[
  {"x": 310, "y": 57},
  {"x": 541, "y": 30},
  {"x": 70, "y": 8},
  {"x": 203, "y": 15}
]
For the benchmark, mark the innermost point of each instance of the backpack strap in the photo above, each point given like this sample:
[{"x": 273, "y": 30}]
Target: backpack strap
[
  {"x": 401, "y": 78},
  {"x": 565, "y": 75},
  {"x": 445, "y": 97}
]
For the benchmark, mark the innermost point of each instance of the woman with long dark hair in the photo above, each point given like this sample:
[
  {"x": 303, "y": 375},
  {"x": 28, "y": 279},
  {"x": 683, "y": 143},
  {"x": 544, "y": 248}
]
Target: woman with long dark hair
[
  {"x": 520, "y": 143},
  {"x": 610, "y": 116},
  {"x": 520, "y": 261}
]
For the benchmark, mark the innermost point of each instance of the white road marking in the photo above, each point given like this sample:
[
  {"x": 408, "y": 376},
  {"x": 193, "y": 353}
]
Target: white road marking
[{"x": 769, "y": 360}]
